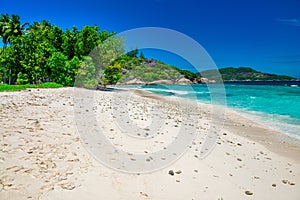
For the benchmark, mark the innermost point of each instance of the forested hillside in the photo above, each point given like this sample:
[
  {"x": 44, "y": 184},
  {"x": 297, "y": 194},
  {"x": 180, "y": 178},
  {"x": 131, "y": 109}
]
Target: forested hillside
[{"x": 243, "y": 74}]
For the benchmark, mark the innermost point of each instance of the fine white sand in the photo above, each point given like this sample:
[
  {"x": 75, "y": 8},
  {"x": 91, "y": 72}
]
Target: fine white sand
[{"x": 42, "y": 155}]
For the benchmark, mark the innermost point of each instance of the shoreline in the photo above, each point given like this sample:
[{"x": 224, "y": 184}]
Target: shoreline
[
  {"x": 43, "y": 157},
  {"x": 292, "y": 129},
  {"x": 274, "y": 140},
  {"x": 258, "y": 117}
]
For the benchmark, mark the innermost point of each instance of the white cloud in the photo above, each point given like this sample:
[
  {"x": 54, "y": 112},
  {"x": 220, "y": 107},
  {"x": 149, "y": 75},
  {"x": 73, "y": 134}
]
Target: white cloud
[{"x": 291, "y": 21}]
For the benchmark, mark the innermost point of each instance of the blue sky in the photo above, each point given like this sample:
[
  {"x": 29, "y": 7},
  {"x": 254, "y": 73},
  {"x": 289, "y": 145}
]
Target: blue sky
[{"x": 264, "y": 35}]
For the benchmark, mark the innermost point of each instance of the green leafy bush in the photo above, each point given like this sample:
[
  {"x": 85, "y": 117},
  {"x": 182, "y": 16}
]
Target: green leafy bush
[{"x": 22, "y": 78}]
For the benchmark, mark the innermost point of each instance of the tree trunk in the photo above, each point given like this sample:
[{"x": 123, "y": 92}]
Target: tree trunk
[
  {"x": 4, "y": 78},
  {"x": 9, "y": 77},
  {"x": 4, "y": 65}
]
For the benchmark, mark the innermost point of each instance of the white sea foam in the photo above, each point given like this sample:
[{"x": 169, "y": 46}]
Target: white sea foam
[
  {"x": 178, "y": 92},
  {"x": 282, "y": 123}
]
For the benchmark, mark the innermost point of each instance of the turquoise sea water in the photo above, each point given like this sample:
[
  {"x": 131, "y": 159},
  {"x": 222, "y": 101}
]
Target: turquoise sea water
[{"x": 277, "y": 106}]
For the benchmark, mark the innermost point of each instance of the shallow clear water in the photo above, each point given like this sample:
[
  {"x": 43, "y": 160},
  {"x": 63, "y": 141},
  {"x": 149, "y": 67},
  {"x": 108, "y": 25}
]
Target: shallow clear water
[{"x": 277, "y": 106}]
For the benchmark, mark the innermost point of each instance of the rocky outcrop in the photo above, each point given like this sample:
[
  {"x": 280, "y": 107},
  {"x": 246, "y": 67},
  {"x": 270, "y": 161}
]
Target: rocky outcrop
[
  {"x": 212, "y": 81},
  {"x": 184, "y": 81},
  {"x": 167, "y": 82},
  {"x": 135, "y": 81},
  {"x": 204, "y": 80}
]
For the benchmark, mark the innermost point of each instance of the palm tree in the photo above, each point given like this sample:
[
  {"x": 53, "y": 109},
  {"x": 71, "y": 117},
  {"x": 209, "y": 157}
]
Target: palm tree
[
  {"x": 10, "y": 27},
  {"x": 39, "y": 25},
  {"x": 4, "y": 28},
  {"x": 16, "y": 27},
  {"x": 5, "y": 34}
]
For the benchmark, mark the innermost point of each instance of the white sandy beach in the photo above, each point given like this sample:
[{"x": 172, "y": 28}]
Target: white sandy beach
[{"x": 42, "y": 156}]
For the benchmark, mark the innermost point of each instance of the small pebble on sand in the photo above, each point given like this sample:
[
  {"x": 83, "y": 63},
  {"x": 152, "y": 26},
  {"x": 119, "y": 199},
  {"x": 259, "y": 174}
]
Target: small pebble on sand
[{"x": 171, "y": 172}]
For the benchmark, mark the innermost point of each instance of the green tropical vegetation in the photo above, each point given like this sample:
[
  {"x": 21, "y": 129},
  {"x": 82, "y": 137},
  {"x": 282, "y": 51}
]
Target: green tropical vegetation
[
  {"x": 43, "y": 52},
  {"x": 135, "y": 65},
  {"x": 244, "y": 74},
  {"x": 10, "y": 88},
  {"x": 147, "y": 70}
]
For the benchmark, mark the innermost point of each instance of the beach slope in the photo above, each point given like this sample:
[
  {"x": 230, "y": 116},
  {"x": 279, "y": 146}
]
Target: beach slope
[{"x": 42, "y": 155}]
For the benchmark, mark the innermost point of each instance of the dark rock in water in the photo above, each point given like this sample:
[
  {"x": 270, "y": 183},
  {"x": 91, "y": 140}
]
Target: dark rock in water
[{"x": 171, "y": 172}]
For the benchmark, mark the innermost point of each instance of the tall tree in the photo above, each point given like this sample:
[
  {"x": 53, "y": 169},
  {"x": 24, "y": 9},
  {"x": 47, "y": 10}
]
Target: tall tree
[
  {"x": 10, "y": 27},
  {"x": 100, "y": 66},
  {"x": 38, "y": 47},
  {"x": 87, "y": 39},
  {"x": 5, "y": 31},
  {"x": 16, "y": 27},
  {"x": 5, "y": 34},
  {"x": 69, "y": 42}
]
